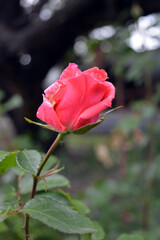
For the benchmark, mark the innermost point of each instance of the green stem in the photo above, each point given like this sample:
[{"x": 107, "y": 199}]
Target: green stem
[
  {"x": 51, "y": 149},
  {"x": 35, "y": 178}
]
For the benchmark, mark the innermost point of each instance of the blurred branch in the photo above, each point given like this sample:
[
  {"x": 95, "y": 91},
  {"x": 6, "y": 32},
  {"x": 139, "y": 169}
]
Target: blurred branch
[
  {"x": 75, "y": 18},
  {"x": 39, "y": 5}
]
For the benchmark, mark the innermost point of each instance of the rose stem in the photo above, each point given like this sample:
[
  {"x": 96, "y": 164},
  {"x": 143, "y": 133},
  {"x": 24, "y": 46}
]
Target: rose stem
[
  {"x": 26, "y": 226},
  {"x": 51, "y": 149}
]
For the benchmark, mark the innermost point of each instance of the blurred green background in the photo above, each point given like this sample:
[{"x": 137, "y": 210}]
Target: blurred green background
[{"x": 115, "y": 167}]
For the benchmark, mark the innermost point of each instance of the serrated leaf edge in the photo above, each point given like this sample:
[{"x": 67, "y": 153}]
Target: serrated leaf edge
[
  {"x": 27, "y": 210},
  {"x": 26, "y": 170}
]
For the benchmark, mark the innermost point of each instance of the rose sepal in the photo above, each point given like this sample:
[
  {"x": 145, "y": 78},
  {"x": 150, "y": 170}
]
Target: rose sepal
[
  {"x": 48, "y": 126},
  {"x": 103, "y": 116},
  {"x": 49, "y": 173},
  {"x": 78, "y": 131},
  {"x": 53, "y": 170},
  {"x": 88, "y": 127}
]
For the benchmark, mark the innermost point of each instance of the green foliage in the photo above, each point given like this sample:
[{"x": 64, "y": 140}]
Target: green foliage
[
  {"x": 12, "y": 229},
  {"x": 29, "y": 160},
  {"x": 130, "y": 237},
  {"x": 14, "y": 102},
  {"x": 8, "y": 202},
  {"x": 50, "y": 163},
  {"x": 118, "y": 204},
  {"x": 75, "y": 203},
  {"x": 53, "y": 181},
  {"x": 57, "y": 215},
  {"x": 3, "y": 227},
  {"x": 6, "y": 210},
  {"x": 99, "y": 234},
  {"x": 8, "y": 193},
  {"x": 80, "y": 206},
  {"x": 55, "y": 209},
  {"x": 125, "y": 199},
  {"x": 7, "y": 160}
]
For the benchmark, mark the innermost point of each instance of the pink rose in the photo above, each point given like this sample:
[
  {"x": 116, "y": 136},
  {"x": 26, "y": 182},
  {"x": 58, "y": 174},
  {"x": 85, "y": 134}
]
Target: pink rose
[{"x": 76, "y": 99}]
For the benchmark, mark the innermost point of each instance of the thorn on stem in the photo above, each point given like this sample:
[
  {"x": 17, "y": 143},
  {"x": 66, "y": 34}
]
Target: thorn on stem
[{"x": 27, "y": 236}]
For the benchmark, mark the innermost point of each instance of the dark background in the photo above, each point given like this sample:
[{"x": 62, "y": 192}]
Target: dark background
[{"x": 30, "y": 44}]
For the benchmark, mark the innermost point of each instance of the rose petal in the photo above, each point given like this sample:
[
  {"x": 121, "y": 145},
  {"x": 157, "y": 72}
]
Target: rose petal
[
  {"x": 100, "y": 106},
  {"x": 47, "y": 114},
  {"x": 97, "y": 73},
  {"x": 76, "y": 99},
  {"x": 51, "y": 90},
  {"x": 70, "y": 72},
  {"x": 82, "y": 122},
  {"x": 95, "y": 92},
  {"x": 81, "y": 93},
  {"x": 73, "y": 100}
]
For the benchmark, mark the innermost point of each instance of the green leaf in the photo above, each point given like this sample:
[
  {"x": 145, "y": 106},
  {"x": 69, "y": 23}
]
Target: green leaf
[
  {"x": 130, "y": 237},
  {"x": 29, "y": 160},
  {"x": 3, "y": 227},
  {"x": 53, "y": 181},
  {"x": 4, "y": 209},
  {"x": 7, "y": 160},
  {"x": 7, "y": 193},
  {"x": 18, "y": 171},
  {"x": 71, "y": 238},
  {"x": 80, "y": 206},
  {"x": 55, "y": 196},
  {"x": 76, "y": 204},
  {"x": 99, "y": 234},
  {"x": 86, "y": 237},
  {"x": 58, "y": 216},
  {"x": 7, "y": 209},
  {"x": 3, "y": 155},
  {"x": 8, "y": 202},
  {"x": 14, "y": 102}
]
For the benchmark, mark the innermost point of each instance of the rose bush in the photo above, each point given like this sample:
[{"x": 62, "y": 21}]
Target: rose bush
[{"x": 76, "y": 99}]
